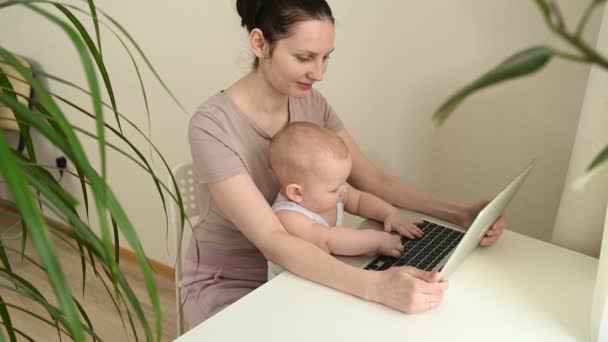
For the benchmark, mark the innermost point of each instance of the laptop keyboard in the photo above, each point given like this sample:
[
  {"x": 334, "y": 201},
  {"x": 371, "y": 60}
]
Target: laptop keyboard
[{"x": 424, "y": 253}]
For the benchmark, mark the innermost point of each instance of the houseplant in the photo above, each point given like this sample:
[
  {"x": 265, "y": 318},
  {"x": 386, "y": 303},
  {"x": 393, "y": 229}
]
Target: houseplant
[
  {"x": 535, "y": 58},
  {"x": 590, "y": 136},
  {"x": 36, "y": 191}
]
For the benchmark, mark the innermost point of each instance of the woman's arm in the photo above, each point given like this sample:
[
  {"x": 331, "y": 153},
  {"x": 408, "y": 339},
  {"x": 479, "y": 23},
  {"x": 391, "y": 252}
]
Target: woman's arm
[
  {"x": 404, "y": 288},
  {"x": 367, "y": 177},
  {"x": 244, "y": 205}
]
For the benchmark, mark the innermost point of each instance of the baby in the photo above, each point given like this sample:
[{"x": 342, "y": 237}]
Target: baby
[{"x": 312, "y": 165}]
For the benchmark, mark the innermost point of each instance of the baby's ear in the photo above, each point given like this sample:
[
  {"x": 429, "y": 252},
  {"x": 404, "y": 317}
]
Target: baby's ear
[{"x": 294, "y": 192}]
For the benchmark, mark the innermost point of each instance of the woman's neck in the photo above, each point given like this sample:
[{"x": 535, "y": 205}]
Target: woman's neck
[{"x": 254, "y": 92}]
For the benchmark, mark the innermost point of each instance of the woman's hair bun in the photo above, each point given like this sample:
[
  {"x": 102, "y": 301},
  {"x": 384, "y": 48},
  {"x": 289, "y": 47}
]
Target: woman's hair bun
[{"x": 248, "y": 11}]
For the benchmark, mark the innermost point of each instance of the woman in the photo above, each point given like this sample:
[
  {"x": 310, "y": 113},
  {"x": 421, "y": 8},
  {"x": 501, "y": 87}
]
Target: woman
[{"x": 229, "y": 137}]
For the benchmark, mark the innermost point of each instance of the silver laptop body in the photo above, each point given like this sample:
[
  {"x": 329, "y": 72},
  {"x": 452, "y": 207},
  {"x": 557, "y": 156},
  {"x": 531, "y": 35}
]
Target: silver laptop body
[
  {"x": 469, "y": 239},
  {"x": 482, "y": 223}
]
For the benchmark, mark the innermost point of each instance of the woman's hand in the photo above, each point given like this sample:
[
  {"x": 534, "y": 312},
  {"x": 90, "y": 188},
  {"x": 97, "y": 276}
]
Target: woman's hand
[
  {"x": 492, "y": 235},
  {"x": 395, "y": 222},
  {"x": 408, "y": 289}
]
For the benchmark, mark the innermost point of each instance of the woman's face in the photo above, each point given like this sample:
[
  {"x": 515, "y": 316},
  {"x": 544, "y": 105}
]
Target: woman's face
[{"x": 300, "y": 60}]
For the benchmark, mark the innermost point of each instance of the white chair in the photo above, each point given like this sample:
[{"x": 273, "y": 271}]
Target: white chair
[{"x": 184, "y": 177}]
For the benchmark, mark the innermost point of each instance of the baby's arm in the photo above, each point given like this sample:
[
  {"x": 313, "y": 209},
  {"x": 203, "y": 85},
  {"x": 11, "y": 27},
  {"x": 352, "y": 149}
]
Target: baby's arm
[
  {"x": 369, "y": 206},
  {"x": 340, "y": 240},
  {"x": 366, "y": 205}
]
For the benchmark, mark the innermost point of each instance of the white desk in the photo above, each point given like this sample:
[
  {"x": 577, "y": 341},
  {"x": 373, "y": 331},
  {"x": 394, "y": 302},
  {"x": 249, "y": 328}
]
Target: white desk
[{"x": 520, "y": 289}]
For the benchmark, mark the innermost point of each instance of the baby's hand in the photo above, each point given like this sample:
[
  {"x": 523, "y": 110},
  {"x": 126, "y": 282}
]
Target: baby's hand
[
  {"x": 389, "y": 244},
  {"x": 394, "y": 222}
]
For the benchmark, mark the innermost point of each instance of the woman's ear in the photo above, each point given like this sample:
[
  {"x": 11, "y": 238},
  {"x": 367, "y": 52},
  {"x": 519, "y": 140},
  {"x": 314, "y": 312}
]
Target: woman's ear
[
  {"x": 294, "y": 192},
  {"x": 259, "y": 46}
]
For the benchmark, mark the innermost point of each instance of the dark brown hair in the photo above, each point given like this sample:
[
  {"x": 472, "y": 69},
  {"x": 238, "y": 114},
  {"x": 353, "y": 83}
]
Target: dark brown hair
[{"x": 277, "y": 18}]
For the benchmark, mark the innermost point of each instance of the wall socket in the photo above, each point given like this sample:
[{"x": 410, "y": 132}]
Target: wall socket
[{"x": 61, "y": 163}]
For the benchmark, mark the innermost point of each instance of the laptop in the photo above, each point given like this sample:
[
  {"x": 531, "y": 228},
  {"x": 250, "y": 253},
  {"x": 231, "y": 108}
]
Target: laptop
[{"x": 444, "y": 247}]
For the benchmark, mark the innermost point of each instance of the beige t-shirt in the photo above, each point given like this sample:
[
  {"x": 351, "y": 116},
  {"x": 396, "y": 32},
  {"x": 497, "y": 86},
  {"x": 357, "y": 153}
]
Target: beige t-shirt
[{"x": 224, "y": 143}]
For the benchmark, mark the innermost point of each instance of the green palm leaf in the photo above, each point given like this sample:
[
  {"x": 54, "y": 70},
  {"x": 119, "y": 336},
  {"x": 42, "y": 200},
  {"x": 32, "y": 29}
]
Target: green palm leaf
[
  {"x": 23, "y": 128},
  {"x": 24, "y": 172},
  {"x": 26, "y": 289},
  {"x": 24, "y": 335},
  {"x": 39, "y": 174},
  {"x": 93, "y": 10},
  {"x": 86, "y": 318},
  {"x": 96, "y": 55},
  {"x": 133, "y": 61},
  {"x": 122, "y": 30},
  {"x": 39, "y": 233},
  {"x": 521, "y": 64},
  {"x": 35, "y": 315},
  {"x": 599, "y": 164},
  {"x": 51, "y": 135},
  {"x": 145, "y": 58},
  {"x": 67, "y": 140},
  {"x": 6, "y": 319},
  {"x": 146, "y": 166},
  {"x": 87, "y": 237},
  {"x": 93, "y": 85},
  {"x": 178, "y": 199},
  {"x": 80, "y": 308},
  {"x": 94, "y": 245},
  {"x": 129, "y": 233},
  {"x": 4, "y": 258},
  {"x": 59, "y": 232}
]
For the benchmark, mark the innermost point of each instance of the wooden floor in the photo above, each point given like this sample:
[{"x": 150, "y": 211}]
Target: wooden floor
[{"x": 96, "y": 301}]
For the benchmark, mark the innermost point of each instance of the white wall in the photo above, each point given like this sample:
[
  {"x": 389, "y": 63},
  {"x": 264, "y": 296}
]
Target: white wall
[
  {"x": 495, "y": 133},
  {"x": 581, "y": 216},
  {"x": 395, "y": 61}
]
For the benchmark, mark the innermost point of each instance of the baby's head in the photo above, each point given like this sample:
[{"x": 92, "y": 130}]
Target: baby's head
[{"x": 311, "y": 164}]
